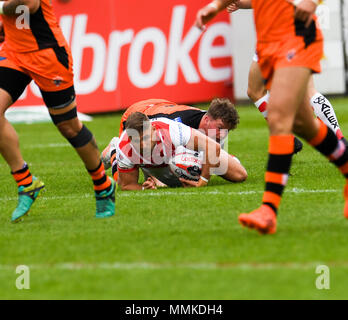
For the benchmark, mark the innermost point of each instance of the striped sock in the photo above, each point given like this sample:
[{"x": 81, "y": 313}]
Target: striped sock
[
  {"x": 101, "y": 181},
  {"x": 23, "y": 177},
  {"x": 281, "y": 148},
  {"x": 326, "y": 142},
  {"x": 113, "y": 161}
]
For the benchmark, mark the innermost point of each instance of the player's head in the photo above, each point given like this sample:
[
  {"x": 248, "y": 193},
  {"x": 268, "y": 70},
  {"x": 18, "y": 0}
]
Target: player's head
[
  {"x": 140, "y": 132},
  {"x": 221, "y": 117}
]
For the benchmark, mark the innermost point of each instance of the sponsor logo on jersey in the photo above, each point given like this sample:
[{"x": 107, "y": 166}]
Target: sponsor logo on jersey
[{"x": 291, "y": 54}]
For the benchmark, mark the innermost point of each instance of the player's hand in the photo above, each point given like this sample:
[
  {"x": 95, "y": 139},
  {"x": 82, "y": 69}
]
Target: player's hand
[
  {"x": 234, "y": 6},
  {"x": 204, "y": 15},
  {"x": 193, "y": 184},
  {"x": 2, "y": 33},
  {"x": 304, "y": 11},
  {"x": 149, "y": 184},
  {"x": 188, "y": 183}
]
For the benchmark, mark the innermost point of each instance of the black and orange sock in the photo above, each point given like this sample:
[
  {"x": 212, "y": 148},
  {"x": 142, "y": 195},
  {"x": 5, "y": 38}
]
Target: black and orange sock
[
  {"x": 281, "y": 149},
  {"x": 113, "y": 161},
  {"x": 326, "y": 143},
  {"x": 23, "y": 177},
  {"x": 101, "y": 181}
]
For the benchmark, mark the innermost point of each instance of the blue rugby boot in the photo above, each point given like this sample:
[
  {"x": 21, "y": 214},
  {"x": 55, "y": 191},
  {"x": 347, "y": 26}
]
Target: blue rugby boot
[
  {"x": 26, "y": 197},
  {"x": 105, "y": 202}
]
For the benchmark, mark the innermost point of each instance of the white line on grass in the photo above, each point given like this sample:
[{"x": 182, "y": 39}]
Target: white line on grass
[
  {"x": 178, "y": 193},
  {"x": 168, "y": 265},
  {"x": 51, "y": 145}
]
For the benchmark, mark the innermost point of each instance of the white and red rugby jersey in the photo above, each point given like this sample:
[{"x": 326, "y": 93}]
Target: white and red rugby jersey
[{"x": 169, "y": 135}]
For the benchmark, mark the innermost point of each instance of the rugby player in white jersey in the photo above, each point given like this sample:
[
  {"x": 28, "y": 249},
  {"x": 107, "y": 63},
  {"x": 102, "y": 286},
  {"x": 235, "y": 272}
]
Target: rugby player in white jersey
[{"x": 150, "y": 144}]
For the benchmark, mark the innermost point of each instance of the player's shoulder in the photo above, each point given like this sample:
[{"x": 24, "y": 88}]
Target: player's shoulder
[
  {"x": 171, "y": 125},
  {"x": 162, "y": 122},
  {"x": 124, "y": 151},
  {"x": 124, "y": 146}
]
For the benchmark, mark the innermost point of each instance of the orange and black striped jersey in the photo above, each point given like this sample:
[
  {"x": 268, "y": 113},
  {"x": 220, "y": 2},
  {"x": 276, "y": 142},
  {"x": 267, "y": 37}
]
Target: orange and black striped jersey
[
  {"x": 274, "y": 20},
  {"x": 161, "y": 108},
  {"x": 43, "y": 31}
]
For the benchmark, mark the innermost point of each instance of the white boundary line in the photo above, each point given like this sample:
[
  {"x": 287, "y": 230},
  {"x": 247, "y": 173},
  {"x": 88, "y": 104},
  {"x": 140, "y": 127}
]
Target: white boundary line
[
  {"x": 53, "y": 145},
  {"x": 189, "y": 266},
  {"x": 179, "y": 193}
]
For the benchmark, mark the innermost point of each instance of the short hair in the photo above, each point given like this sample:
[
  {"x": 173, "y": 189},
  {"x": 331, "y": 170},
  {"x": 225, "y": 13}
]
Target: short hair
[
  {"x": 224, "y": 109},
  {"x": 137, "y": 121}
]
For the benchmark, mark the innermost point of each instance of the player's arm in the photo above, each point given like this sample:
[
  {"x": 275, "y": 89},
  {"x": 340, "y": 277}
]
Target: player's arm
[
  {"x": 128, "y": 180},
  {"x": 235, "y": 171},
  {"x": 217, "y": 161},
  {"x": 304, "y": 10},
  {"x": 239, "y": 4},
  {"x": 211, "y": 150},
  {"x": 208, "y": 12},
  {"x": 9, "y": 7}
]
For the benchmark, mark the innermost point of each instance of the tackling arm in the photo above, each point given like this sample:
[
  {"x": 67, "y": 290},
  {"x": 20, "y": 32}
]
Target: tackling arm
[
  {"x": 235, "y": 171},
  {"x": 211, "y": 149},
  {"x": 9, "y": 7},
  {"x": 216, "y": 161},
  {"x": 129, "y": 181}
]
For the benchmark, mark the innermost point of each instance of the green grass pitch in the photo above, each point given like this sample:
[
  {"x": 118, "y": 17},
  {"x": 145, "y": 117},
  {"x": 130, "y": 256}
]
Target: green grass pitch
[{"x": 173, "y": 243}]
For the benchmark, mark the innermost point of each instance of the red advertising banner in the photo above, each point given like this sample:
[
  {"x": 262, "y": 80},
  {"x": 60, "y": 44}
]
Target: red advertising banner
[{"x": 126, "y": 51}]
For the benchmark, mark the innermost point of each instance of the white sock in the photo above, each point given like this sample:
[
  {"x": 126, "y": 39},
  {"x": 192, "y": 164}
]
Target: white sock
[
  {"x": 261, "y": 104},
  {"x": 325, "y": 112}
]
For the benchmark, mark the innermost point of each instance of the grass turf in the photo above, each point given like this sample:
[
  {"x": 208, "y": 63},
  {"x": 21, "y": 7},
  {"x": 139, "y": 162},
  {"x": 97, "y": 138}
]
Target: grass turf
[{"x": 173, "y": 243}]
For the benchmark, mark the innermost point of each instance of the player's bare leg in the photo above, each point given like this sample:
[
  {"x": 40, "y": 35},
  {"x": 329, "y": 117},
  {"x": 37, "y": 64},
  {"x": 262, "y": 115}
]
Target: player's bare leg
[
  {"x": 258, "y": 93},
  {"x": 323, "y": 138},
  {"x": 9, "y": 142},
  {"x": 28, "y": 186},
  {"x": 85, "y": 145},
  {"x": 286, "y": 114},
  {"x": 286, "y": 95},
  {"x": 256, "y": 87}
]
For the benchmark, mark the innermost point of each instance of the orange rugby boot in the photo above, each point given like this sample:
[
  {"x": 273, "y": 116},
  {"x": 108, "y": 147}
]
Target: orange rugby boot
[{"x": 263, "y": 219}]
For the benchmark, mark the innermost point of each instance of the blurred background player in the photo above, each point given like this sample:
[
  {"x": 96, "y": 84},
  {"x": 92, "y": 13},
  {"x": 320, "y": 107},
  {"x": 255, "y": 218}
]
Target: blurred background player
[
  {"x": 38, "y": 51},
  {"x": 150, "y": 144},
  {"x": 220, "y": 118},
  {"x": 289, "y": 48},
  {"x": 260, "y": 96}
]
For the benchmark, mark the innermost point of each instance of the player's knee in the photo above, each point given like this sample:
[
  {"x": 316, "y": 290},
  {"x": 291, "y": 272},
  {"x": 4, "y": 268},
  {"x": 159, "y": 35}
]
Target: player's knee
[
  {"x": 251, "y": 94},
  {"x": 68, "y": 130},
  {"x": 67, "y": 123},
  {"x": 256, "y": 94},
  {"x": 83, "y": 137},
  {"x": 77, "y": 134},
  {"x": 278, "y": 122}
]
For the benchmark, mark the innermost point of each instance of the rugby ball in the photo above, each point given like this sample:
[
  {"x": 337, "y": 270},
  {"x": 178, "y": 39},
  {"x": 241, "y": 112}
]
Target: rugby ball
[{"x": 186, "y": 164}]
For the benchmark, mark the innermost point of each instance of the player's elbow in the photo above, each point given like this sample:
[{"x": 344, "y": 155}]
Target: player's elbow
[
  {"x": 125, "y": 187},
  {"x": 32, "y": 5},
  {"x": 240, "y": 175}
]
